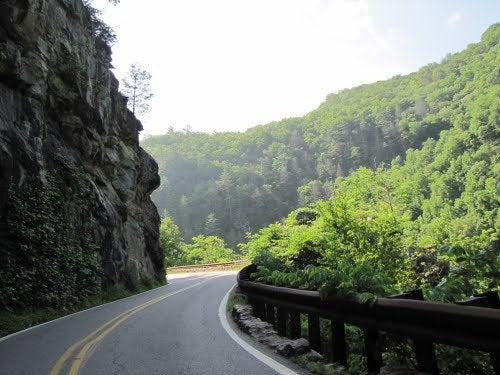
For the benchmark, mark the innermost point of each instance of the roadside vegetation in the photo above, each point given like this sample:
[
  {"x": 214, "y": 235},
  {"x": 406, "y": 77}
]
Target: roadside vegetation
[
  {"x": 203, "y": 249},
  {"x": 366, "y": 240}
]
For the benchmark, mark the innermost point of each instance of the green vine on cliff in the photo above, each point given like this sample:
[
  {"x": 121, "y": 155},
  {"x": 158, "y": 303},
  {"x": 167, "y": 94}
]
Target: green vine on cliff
[{"x": 50, "y": 258}]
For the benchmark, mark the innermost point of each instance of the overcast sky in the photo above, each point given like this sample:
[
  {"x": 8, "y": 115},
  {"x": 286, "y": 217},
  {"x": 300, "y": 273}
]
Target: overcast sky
[{"x": 222, "y": 65}]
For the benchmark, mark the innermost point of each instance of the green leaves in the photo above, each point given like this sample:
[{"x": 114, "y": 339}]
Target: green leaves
[
  {"x": 473, "y": 268},
  {"x": 137, "y": 88},
  {"x": 360, "y": 280},
  {"x": 208, "y": 249},
  {"x": 172, "y": 243},
  {"x": 379, "y": 235},
  {"x": 46, "y": 263}
]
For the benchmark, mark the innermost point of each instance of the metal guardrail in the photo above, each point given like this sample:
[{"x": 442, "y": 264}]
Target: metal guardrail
[
  {"x": 208, "y": 265},
  {"x": 405, "y": 315}
]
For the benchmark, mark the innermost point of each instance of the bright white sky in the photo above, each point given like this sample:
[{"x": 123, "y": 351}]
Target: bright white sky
[{"x": 227, "y": 65}]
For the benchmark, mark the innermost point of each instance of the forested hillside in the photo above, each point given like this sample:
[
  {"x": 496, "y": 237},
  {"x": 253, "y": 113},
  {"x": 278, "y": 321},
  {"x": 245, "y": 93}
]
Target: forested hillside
[{"x": 433, "y": 134}]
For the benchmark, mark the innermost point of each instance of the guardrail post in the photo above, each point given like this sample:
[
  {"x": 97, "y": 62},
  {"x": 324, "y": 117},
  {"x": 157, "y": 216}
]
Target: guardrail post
[
  {"x": 313, "y": 331},
  {"x": 488, "y": 299},
  {"x": 424, "y": 349},
  {"x": 372, "y": 351},
  {"x": 426, "y": 357},
  {"x": 270, "y": 316},
  {"x": 339, "y": 348},
  {"x": 282, "y": 317},
  {"x": 259, "y": 308},
  {"x": 295, "y": 330}
]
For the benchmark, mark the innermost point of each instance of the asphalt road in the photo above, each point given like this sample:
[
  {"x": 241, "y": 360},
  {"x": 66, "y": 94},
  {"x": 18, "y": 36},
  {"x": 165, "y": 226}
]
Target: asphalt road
[{"x": 170, "y": 330}]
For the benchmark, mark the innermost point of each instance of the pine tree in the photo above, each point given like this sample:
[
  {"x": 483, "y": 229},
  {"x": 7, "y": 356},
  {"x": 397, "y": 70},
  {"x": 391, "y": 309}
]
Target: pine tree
[
  {"x": 212, "y": 225},
  {"x": 137, "y": 88}
]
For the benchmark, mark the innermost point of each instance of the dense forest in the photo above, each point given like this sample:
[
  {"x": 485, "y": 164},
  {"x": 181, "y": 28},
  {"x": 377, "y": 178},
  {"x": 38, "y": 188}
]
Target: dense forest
[{"x": 433, "y": 135}]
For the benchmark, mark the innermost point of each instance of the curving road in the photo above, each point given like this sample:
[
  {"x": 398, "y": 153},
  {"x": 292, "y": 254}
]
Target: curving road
[{"x": 170, "y": 330}]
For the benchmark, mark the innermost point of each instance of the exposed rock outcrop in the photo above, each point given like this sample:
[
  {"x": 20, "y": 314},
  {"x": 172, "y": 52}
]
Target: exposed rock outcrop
[
  {"x": 265, "y": 334},
  {"x": 65, "y": 126}
]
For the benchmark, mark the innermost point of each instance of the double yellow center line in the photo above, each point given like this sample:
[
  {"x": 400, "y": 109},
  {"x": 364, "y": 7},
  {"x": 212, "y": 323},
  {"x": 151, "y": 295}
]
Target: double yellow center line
[{"x": 85, "y": 345}]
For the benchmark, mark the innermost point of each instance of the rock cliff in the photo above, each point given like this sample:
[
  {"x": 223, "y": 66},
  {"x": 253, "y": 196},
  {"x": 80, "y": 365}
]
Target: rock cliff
[{"x": 75, "y": 211}]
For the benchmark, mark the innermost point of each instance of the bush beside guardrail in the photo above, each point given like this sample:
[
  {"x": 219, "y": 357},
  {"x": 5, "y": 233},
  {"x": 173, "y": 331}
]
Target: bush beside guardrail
[{"x": 464, "y": 325}]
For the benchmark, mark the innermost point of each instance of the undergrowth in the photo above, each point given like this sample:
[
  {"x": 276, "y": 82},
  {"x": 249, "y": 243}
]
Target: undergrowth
[{"x": 49, "y": 257}]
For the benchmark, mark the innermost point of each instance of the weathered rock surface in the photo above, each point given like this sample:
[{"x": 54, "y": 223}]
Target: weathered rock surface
[
  {"x": 264, "y": 333},
  {"x": 294, "y": 347},
  {"x": 312, "y": 356},
  {"x": 60, "y": 101}
]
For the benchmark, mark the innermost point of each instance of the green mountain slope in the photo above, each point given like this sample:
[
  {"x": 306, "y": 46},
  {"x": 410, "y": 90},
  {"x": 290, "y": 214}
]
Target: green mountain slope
[{"x": 247, "y": 180}]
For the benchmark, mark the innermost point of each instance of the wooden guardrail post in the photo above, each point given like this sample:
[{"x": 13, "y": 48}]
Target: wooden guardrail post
[
  {"x": 488, "y": 299},
  {"x": 339, "y": 347},
  {"x": 373, "y": 350},
  {"x": 426, "y": 356},
  {"x": 313, "y": 331},
  {"x": 259, "y": 308},
  {"x": 295, "y": 330},
  {"x": 281, "y": 324},
  {"x": 424, "y": 349},
  {"x": 270, "y": 316}
]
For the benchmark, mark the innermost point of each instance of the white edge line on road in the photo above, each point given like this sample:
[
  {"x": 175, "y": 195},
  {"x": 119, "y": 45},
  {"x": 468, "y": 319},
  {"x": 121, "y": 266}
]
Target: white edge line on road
[
  {"x": 75, "y": 313},
  {"x": 276, "y": 366}
]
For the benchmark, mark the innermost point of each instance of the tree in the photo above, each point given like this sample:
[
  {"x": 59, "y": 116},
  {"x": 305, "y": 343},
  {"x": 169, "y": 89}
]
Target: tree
[
  {"x": 171, "y": 242},
  {"x": 137, "y": 87},
  {"x": 212, "y": 225},
  {"x": 208, "y": 249}
]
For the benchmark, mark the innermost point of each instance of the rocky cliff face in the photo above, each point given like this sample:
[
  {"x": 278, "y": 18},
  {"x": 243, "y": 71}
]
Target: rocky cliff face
[{"x": 75, "y": 185}]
